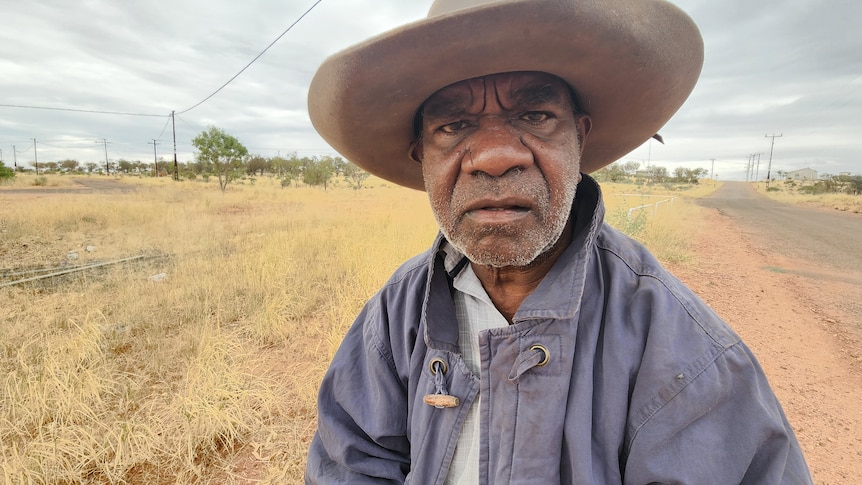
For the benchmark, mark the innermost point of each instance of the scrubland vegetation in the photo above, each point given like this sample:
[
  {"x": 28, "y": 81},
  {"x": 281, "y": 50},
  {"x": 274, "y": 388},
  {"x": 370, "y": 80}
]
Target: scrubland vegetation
[
  {"x": 199, "y": 363},
  {"x": 838, "y": 193}
]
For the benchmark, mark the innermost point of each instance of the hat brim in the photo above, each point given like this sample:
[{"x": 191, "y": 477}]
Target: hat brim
[{"x": 632, "y": 64}]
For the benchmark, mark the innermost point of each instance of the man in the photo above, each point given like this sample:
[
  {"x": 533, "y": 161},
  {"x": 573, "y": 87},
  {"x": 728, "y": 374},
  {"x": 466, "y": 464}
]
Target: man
[{"x": 532, "y": 343}]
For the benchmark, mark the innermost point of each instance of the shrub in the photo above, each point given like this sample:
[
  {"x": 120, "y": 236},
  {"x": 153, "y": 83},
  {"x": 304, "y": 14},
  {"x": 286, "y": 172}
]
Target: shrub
[{"x": 6, "y": 173}]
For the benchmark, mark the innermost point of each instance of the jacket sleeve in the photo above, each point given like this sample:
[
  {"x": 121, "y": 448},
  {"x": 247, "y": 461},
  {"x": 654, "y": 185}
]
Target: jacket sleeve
[
  {"x": 725, "y": 426},
  {"x": 362, "y": 412}
]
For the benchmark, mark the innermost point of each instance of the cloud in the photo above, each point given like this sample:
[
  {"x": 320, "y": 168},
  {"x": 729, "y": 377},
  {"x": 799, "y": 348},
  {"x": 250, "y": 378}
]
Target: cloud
[{"x": 788, "y": 67}]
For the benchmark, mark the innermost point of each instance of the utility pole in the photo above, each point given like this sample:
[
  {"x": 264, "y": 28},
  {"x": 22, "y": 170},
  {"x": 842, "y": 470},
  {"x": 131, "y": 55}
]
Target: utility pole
[
  {"x": 769, "y": 167},
  {"x": 753, "y": 164},
  {"x": 155, "y": 160},
  {"x": 753, "y": 178},
  {"x": 15, "y": 157},
  {"x": 757, "y": 170},
  {"x": 107, "y": 167},
  {"x": 748, "y": 169},
  {"x": 649, "y": 153},
  {"x": 712, "y": 170},
  {"x": 174, "y": 125},
  {"x": 35, "y": 156}
]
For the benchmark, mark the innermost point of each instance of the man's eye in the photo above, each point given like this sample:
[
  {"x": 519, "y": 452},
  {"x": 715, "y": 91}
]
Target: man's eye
[
  {"x": 453, "y": 127},
  {"x": 535, "y": 116}
]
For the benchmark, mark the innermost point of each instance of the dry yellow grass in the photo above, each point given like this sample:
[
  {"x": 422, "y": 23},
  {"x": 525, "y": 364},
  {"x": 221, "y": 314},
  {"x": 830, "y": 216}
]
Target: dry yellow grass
[
  {"x": 111, "y": 377},
  {"x": 790, "y": 194},
  {"x": 209, "y": 375},
  {"x": 660, "y": 218}
]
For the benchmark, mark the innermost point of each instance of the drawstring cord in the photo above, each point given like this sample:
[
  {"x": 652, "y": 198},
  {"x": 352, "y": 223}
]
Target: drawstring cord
[{"x": 441, "y": 398}]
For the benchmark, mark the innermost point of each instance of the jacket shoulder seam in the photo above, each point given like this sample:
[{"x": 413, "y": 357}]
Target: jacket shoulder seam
[{"x": 683, "y": 302}]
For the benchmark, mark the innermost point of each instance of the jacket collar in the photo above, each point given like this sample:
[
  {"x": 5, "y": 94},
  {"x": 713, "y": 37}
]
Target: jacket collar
[{"x": 559, "y": 294}]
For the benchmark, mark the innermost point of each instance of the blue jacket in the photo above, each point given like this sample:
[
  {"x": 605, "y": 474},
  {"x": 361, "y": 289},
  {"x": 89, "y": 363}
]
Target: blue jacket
[{"x": 644, "y": 383}]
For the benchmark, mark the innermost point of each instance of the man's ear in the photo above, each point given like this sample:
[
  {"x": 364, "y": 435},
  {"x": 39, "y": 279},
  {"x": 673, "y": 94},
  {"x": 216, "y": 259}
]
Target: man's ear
[
  {"x": 415, "y": 152},
  {"x": 584, "y": 124}
]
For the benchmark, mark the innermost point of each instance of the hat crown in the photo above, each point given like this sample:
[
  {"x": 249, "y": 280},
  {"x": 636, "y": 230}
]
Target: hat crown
[{"x": 443, "y": 7}]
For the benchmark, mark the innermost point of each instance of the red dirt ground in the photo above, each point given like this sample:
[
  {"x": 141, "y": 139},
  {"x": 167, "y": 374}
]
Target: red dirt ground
[{"x": 806, "y": 339}]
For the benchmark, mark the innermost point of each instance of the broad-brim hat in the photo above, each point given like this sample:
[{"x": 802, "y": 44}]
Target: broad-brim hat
[{"x": 631, "y": 63}]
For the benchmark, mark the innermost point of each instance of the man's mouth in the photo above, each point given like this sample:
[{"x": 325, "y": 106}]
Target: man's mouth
[{"x": 497, "y": 211}]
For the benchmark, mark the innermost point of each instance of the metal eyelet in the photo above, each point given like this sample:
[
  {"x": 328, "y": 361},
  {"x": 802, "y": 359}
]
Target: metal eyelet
[
  {"x": 544, "y": 350},
  {"x": 438, "y": 361}
]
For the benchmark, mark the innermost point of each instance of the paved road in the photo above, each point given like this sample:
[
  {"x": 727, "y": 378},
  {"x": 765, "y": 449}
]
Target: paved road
[{"x": 818, "y": 237}]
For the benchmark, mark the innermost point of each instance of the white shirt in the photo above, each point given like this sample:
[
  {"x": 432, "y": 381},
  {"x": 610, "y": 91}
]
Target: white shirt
[{"x": 475, "y": 312}]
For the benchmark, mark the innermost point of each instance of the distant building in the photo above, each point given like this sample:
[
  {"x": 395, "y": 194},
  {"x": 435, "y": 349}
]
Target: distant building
[{"x": 802, "y": 174}]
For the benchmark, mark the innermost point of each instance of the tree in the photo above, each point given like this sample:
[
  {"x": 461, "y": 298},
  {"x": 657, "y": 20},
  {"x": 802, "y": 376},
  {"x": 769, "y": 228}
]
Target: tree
[
  {"x": 125, "y": 166},
  {"x": 6, "y": 173},
  {"x": 630, "y": 168},
  {"x": 69, "y": 165},
  {"x": 318, "y": 172},
  {"x": 295, "y": 166},
  {"x": 657, "y": 174},
  {"x": 355, "y": 176},
  {"x": 257, "y": 165},
  {"x": 611, "y": 173},
  {"x": 829, "y": 183},
  {"x": 278, "y": 165},
  {"x": 337, "y": 164},
  {"x": 223, "y": 152},
  {"x": 688, "y": 175}
]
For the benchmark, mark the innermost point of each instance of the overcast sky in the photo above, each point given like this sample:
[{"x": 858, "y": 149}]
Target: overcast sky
[{"x": 791, "y": 67}]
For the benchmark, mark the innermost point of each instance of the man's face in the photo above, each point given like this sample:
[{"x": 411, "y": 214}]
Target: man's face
[{"x": 500, "y": 158}]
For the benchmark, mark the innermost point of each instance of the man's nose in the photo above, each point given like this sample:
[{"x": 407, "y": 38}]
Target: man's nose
[{"x": 495, "y": 148}]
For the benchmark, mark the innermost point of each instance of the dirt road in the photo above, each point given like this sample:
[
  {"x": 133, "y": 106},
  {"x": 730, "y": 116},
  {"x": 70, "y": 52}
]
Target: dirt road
[
  {"x": 829, "y": 239},
  {"x": 82, "y": 185},
  {"x": 789, "y": 281}
]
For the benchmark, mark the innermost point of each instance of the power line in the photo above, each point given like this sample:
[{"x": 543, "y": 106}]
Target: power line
[
  {"x": 165, "y": 127},
  {"x": 252, "y": 61},
  {"x": 80, "y": 110},
  {"x": 171, "y": 116},
  {"x": 77, "y": 110},
  {"x": 188, "y": 124},
  {"x": 60, "y": 148}
]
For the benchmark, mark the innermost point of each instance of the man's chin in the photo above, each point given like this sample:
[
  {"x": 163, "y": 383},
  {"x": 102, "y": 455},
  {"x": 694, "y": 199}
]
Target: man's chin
[{"x": 497, "y": 253}]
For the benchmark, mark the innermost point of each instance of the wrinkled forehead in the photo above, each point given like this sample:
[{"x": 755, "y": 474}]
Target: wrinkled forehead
[{"x": 512, "y": 89}]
